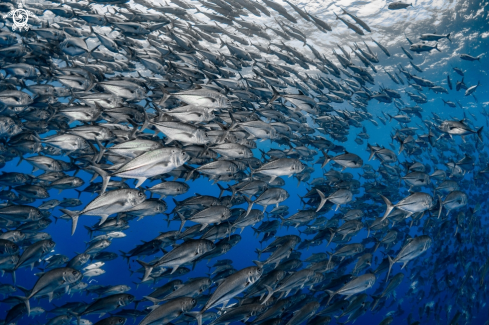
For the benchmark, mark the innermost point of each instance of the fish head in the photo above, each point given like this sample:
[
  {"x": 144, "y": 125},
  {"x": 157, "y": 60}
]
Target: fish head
[
  {"x": 202, "y": 137},
  {"x": 207, "y": 246},
  {"x": 226, "y": 214},
  {"x": 71, "y": 275},
  {"x": 25, "y": 99},
  {"x": 18, "y": 235},
  {"x": 137, "y": 198},
  {"x": 125, "y": 299},
  {"x": 285, "y": 195},
  {"x": 35, "y": 214},
  {"x": 11, "y": 248},
  {"x": 13, "y": 129},
  {"x": 49, "y": 245},
  {"x": 254, "y": 273},
  {"x": 83, "y": 258},
  {"x": 427, "y": 244},
  {"x": 297, "y": 166},
  {"x": 13, "y": 260},
  {"x": 188, "y": 304},
  {"x": 76, "y": 182},
  {"x": 124, "y": 288},
  {"x": 179, "y": 157}
]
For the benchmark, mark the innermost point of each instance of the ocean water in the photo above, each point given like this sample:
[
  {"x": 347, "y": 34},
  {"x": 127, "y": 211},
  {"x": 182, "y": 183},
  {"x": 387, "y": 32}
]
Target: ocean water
[{"x": 468, "y": 23}]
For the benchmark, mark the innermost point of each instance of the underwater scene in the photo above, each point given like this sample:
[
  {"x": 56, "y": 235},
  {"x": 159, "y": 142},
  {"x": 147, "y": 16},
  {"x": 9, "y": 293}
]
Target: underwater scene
[{"x": 258, "y": 162}]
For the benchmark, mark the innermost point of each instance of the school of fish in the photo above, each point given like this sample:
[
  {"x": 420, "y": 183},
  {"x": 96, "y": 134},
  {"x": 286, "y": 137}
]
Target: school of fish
[{"x": 133, "y": 101}]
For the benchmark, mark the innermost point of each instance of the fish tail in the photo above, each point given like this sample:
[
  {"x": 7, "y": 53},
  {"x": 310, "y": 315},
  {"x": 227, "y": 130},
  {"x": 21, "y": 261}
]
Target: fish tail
[
  {"x": 275, "y": 95},
  {"x": 222, "y": 189},
  {"x": 26, "y": 302},
  {"x": 375, "y": 302},
  {"x": 90, "y": 231},
  {"x": 105, "y": 177},
  {"x": 270, "y": 293},
  {"x": 479, "y": 133},
  {"x": 147, "y": 270},
  {"x": 391, "y": 263},
  {"x": 331, "y": 295},
  {"x": 125, "y": 256},
  {"x": 323, "y": 200},
  {"x": 390, "y": 206},
  {"x": 327, "y": 159},
  {"x": 441, "y": 206},
  {"x": 74, "y": 215},
  {"x": 182, "y": 218},
  {"x": 197, "y": 315},
  {"x": 250, "y": 205}
]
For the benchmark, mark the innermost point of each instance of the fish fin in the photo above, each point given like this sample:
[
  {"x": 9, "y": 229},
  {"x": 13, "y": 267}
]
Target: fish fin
[
  {"x": 259, "y": 264},
  {"x": 390, "y": 206},
  {"x": 147, "y": 270},
  {"x": 250, "y": 205},
  {"x": 74, "y": 215},
  {"x": 323, "y": 200},
  {"x": 391, "y": 263},
  {"x": 105, "y": 177},
  {"x": 182, "y": 218},
  {"x": 441, "y": 206},
  {"x": 26, "y": 302},
  {"x": 270, "y": 293},
  {"x": 331, "y": 295},
  {"x": 153, "y": 300},
  {"x": 197, "y": 315},
  {"x": 103, "y": 218},
  {"x": 140, "y": 181}
]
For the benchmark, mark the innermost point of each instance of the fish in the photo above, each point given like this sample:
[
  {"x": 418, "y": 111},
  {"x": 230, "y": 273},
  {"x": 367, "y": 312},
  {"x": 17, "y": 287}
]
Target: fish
[
  {"x": 398, "y": 5},
  {"x": 407, "y": 53},
  {"x": 468, "y": 57},
  {"x": 357, "y": 20},
  {"x": 434, "y": 37},
  {"x": 353, "y": 27},
  {"x": 423, "y": 47}
]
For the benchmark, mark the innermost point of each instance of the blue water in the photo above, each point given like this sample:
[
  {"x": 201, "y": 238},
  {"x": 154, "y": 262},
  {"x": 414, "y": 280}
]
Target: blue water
[{"x": 468, "y": 22}]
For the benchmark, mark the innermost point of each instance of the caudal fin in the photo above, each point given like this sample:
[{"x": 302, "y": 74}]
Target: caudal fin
[
  {"x": 375, "y": 302},
  {"x": 331, "y": 295},
  {"x": 26, "y": 302},
  {"x": 250, "y": 205},
  {"x": 391, "y": 263},
  {"x": 441, "y": 206},
  {"x": 479, "y": 133},
  {"x": 390, "y": 206},
  {"x": 327, "y": 159},
  {"x": 197, "y": 315},
  {"x": 74, "y": 215},
  {"x": 182, "y": 218},
  {"x": 323, "y": 200},
  {"x": 270, "y": 293},
  {"x": 147, "y": 270},
  {"x": 105, "y": 177}
]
